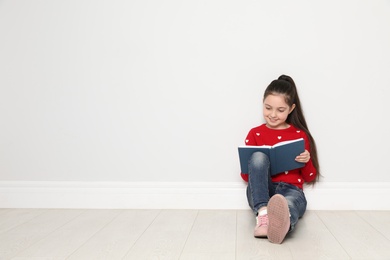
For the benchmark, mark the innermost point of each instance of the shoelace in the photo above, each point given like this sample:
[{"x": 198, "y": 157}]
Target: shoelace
[{"x": 262, "y": 220}]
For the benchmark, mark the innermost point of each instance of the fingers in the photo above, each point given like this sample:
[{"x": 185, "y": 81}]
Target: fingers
[{"x": 303, "y": 157}]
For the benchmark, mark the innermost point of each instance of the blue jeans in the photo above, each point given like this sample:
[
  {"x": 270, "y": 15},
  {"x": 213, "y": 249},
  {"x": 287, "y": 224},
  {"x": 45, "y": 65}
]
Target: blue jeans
[{"x": 261, "y": 188}]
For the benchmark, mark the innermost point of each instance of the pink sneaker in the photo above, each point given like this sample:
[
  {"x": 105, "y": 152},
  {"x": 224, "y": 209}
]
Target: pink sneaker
[
  {"x": 279, "y": 219},
  {"x": 261, "y": 229}
]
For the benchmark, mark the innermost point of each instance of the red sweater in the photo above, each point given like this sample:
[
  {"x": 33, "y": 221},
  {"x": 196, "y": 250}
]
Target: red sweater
[{"x": 262, "y": 135}]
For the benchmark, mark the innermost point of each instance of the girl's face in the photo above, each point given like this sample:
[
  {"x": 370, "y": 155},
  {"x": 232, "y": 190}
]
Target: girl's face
[{"x": 276, "y": 111}]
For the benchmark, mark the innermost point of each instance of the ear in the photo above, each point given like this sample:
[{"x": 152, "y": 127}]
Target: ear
[{"x": 292, "y": 108}]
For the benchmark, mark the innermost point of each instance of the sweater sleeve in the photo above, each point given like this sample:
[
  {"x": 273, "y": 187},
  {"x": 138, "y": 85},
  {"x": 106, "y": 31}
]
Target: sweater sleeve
[{"x": 249, "y": 140}]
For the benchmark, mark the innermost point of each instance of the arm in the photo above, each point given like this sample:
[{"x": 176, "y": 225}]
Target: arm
[
  {"x": 308, "y": 171},
  {"x": 249, "y": 140}
]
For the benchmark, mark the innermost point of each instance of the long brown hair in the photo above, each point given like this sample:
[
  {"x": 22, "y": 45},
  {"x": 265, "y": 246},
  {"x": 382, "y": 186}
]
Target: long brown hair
[{"x": 285, "y": 86}]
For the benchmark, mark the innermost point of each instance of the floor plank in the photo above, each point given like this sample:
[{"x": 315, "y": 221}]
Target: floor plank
[
  {"x": 65, "y": 240},
  {"x": 15, "y": 217},
  {"x": 2, "y": 211},
  {"x": 23, "y": 236},
  {"x": 358, "y": 238},
  {"x": 380, "y": 220},
  {"x": 213, "y": 236},
  {"x": 165, "y": 237},
  {"x": 116, "y": 239},
  {"x": 311, "y": 233}
]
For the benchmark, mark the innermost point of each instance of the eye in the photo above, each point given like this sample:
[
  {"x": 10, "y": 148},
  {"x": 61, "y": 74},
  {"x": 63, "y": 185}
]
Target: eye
[{"x": 281, "y": 110}]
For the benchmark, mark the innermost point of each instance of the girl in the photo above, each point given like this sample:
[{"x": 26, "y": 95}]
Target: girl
[{"x": 278, "y": 201}]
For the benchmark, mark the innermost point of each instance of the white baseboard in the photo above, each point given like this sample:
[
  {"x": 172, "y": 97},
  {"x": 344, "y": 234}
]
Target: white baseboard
[{"x": 180, "y": 195}]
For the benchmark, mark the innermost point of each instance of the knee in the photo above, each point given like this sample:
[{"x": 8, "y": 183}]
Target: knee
[
  {"x": 297, "y": 207},
  {"x": 259, "y": 159}
]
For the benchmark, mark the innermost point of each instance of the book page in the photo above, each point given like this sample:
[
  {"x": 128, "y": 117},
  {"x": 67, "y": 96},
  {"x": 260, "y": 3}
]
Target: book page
[{"x": 287, "y": 142}]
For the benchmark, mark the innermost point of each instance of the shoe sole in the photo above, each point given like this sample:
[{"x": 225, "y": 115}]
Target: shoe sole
[
  {"x": 278, "y": 219},
  {"x": 260, "y": 235}
]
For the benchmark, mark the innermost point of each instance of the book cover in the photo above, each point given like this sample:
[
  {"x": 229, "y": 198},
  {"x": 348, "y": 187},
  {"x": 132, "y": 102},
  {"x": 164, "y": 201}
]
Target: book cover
[{"x": 281, "y": 155}]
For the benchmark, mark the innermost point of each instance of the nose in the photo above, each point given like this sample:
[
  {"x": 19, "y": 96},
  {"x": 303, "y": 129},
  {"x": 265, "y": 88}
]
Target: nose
[{"x": 273, "y": 113}]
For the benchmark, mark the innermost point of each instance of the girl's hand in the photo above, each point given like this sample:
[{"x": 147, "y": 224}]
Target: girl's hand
[{"x": 303, "y": 157}]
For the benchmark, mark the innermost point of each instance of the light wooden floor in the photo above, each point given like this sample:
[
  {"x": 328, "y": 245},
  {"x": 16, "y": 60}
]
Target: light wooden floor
[{"x": 187, "y": 234}]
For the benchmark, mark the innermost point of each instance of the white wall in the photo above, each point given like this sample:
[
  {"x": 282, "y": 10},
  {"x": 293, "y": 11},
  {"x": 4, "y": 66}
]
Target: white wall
[{"x": 164, "y": 91}]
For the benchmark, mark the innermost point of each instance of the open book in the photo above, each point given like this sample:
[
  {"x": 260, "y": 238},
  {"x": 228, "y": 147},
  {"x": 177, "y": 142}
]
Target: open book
[{"x": 281, "y": 155}]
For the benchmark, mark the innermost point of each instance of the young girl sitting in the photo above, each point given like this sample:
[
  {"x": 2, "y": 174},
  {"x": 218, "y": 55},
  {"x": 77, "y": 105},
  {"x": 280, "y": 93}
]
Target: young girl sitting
[{"x": 278, "y": 201}]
